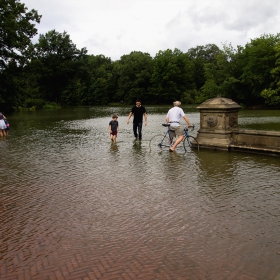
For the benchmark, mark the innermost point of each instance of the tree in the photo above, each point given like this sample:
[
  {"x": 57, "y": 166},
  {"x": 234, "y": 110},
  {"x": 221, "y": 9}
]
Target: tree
[
  {"x": 222, "y": 75},
  {"x": 133, "y": 76},
  {"x": 230, "y": 66},
  {"x": 16, "y": 31},
  {"x": 17, "y": 28},
  {"x": 59, "y": 62},
  {"x": 259, "y": 58},
  {"x": 199, "y": 57},
  {"x": 171, "y": 76},
  {"x": 99, "y": 81},
  {"x": 272, "y": 94}
]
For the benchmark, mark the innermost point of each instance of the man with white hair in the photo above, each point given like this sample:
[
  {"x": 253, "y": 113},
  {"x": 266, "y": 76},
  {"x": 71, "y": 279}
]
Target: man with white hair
[{"x": 173, "y": 118}]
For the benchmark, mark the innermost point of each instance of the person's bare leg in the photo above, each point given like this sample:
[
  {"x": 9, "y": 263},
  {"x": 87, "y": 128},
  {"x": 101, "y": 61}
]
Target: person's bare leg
[{"x": 178, "y": 141}]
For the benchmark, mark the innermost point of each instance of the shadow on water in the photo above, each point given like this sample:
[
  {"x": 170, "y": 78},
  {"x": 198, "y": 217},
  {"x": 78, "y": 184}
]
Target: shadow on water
[{"x": 67, "y": 192}]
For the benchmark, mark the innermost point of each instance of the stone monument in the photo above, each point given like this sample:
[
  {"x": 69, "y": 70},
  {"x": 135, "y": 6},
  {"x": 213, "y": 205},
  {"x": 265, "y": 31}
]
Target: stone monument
[{"x": 218, "y": 120}]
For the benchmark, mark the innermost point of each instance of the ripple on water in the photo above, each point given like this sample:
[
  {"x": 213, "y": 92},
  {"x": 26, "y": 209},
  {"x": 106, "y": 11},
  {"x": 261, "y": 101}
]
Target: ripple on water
[{"x": 72, "y": 189}]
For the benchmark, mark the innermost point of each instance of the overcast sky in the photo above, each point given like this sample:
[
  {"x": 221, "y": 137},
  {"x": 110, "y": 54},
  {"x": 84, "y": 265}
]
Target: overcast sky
[{"x": 117, "y": 27}]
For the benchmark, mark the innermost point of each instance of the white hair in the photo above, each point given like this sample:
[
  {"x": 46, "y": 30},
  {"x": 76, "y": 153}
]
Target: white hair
[{"x": 176, "y": 103}]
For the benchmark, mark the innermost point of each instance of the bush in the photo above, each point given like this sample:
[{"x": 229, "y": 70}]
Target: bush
[
  {"x": 51, "y": 105},
  {"x": 36, "y": 103}
]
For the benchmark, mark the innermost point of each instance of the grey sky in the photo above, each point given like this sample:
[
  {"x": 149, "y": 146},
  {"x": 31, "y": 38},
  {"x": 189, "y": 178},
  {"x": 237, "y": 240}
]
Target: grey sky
[{"x": 117, "y": 27}]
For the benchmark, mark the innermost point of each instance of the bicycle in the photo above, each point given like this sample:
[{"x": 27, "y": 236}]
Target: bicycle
[{"x": 164, "y": 142}]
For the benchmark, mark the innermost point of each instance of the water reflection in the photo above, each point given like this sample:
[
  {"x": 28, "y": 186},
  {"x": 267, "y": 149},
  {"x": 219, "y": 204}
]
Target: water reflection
[
  {"x": 214, "y": 166},
  {"x": 260, "y": 119},
  {"x": 114, "y": 149},
  {"x": 68, "y": 194},
  {"x": 136, "y": 145}
]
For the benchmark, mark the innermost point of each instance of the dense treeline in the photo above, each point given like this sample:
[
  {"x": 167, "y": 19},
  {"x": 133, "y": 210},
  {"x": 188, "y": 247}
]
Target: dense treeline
[{"x": 54, "y": 71}]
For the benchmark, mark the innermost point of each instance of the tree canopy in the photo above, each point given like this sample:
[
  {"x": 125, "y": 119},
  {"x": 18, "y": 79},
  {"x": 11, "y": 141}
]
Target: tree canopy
[
  {"x": 17, "y": 28},
  {"x": 54, "y": 70}
]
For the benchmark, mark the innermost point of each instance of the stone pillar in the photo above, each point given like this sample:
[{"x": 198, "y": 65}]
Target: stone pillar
[{"x": 218, "y": 119}]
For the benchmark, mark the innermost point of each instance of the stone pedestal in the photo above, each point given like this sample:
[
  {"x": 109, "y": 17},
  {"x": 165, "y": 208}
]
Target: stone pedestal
[{"x": 218, "y": 119}]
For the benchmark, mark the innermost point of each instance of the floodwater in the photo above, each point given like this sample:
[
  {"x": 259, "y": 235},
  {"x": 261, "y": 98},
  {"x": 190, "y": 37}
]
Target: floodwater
[{"x": 75, "y": 206}]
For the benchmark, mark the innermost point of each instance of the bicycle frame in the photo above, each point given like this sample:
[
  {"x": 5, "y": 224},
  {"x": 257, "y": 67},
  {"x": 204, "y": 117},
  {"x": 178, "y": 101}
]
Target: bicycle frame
[
  {"x": 165, "y": 141},
  {"x": 167, "y": 134},
  {"x": 186, "y": 130},
  {"x": 186, "y": 134}
]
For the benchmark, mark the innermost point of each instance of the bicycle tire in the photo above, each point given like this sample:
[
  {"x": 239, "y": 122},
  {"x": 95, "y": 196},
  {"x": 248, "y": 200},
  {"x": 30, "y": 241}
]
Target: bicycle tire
[
  {"x": 189, "y": 143},
  {"x": 159, "y": 142}
]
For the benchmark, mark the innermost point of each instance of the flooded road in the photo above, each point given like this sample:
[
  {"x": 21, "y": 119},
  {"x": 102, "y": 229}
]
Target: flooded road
[{"x": 75, "y": 206}]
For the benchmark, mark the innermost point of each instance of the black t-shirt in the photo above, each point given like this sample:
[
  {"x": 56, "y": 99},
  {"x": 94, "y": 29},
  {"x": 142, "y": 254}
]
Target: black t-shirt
[
  {"x": 138, "y": 113},
  {"x": 114, "y": 125}
]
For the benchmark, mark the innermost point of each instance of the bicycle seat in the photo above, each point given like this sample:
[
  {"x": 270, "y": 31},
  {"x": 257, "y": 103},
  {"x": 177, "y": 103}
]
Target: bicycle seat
[{"x": 166, "y": 124}]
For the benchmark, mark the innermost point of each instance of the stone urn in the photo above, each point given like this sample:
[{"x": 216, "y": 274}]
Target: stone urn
[{"x": 218, "y": 119}]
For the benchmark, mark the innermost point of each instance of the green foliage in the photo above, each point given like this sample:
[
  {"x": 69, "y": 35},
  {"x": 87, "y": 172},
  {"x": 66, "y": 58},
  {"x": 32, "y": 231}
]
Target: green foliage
[
  {"x": 16, "y": 29},
  {"x": 36, "y": 103},
  {"x": 58, "y": 61},
  {"x": 171, "y": 76},
  {"x": 220, "y": 75},
  {"x": 200, "y": 56},
  {"x": 242, "y": 74},
  {"x": 51, "y": 106},
  {"x": 53, "y": 71},
  {"x": 133, "y": 73},
  {"x": 210, "y": 90},
  {"x": 99, "y": 81},
  {"x": 258, "y": 59},
  {"x": 12, "y": 87},
  {"x": 271, "y": 96},
  {"x": 189, "y": 96}
]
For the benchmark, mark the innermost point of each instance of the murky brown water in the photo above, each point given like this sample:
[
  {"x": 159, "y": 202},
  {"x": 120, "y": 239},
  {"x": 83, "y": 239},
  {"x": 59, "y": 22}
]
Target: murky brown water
[{"x": 68, "y": 195}]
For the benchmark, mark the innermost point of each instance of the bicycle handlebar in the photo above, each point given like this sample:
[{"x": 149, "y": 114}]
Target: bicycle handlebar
[{"x": 192, "y": 127}]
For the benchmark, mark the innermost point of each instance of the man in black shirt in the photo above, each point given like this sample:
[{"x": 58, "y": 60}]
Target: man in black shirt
[{"x": 138, "y": 112}]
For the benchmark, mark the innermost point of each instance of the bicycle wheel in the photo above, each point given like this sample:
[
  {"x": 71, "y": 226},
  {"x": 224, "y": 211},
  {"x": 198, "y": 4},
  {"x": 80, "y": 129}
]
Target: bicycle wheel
[
  {"x": 189, "y": 143},
  {"x": 160, "y": 142}
]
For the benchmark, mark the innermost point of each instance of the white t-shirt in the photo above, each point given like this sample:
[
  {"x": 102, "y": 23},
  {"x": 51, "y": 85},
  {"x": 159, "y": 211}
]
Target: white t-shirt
[
  {"x": 2, "y": 124},
  {"x": 174, "y": 115}
]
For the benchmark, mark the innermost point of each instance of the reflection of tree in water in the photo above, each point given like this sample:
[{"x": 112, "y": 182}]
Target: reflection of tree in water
[
  {"x": 215, "y": 166},
  {"x": 114, "y": 149},
  {"x": 137, "y": 146},
  {"x": 175, "y": 167},
  {"x": 225, "y": 177},
  {"x": 140, "y": 165}
]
